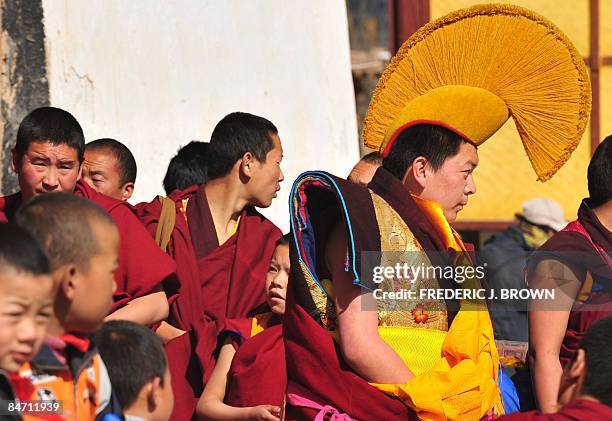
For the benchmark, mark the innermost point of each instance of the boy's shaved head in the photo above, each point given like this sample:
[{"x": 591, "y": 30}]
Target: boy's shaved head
[{"x": 63, "y": 225}]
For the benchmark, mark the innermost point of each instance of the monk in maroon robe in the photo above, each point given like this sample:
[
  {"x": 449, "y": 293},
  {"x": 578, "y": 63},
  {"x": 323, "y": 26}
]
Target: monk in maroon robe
[
  {"x": 221, "y": 244},
  {"x": 47, "y": 158},
  {"x": 586, "y": 390},
  {"x": 577, "y": 263}
]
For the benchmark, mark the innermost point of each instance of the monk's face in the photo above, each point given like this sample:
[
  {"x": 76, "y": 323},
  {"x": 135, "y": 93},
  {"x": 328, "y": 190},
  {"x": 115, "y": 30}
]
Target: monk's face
[
  {"x": 101, "y": 171},
  {"x": 46, "y": 167},
  {"x": 277, "y": 279},
  {"x": 266, "y": 176},
  {"x": 453, "y": 182},
  {"x": 93, "y": 294},
  {"x": 363, "y": 172},
  {"x": 26, "y": 307}
]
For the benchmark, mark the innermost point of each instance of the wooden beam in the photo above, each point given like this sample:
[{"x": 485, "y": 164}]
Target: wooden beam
[
  {"x": 594, "y": 69},
  {"x": 405, "y": 17}
]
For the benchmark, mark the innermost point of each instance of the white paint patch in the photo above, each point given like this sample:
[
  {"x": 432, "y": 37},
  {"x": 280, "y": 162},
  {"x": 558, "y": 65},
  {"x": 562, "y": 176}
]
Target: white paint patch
[{"x": 156, "y": 74}]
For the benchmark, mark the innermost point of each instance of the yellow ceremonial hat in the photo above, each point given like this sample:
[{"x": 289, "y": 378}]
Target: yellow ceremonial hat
[{"x": 471, "y": 70}]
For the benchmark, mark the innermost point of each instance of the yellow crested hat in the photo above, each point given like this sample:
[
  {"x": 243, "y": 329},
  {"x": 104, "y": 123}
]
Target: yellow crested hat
[{"x": 471, "y": 70}]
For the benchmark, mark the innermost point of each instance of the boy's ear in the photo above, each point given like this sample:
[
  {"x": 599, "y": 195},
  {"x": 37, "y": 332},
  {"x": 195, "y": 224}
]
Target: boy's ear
[
  {"x": 154, "y": 393},
  {"x": 578, "y": 366},
  {"x": 69, "y": 281}
]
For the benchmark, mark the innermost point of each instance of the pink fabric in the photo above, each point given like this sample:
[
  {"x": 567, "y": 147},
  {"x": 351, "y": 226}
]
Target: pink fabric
[{"x": 297, "y": 396}]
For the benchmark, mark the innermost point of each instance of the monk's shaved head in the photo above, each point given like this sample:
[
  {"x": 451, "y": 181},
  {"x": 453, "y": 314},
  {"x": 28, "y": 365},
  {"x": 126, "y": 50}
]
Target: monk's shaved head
[
  {"x": 126, "y": 164},
  {"x": 63, "y": 225}
]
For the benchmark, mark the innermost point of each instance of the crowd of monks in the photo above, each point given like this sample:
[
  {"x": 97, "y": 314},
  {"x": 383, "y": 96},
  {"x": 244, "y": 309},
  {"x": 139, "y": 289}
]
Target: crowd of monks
[
  {"x": 248, "y": 331},
  {"x": 193, "y": 305}
]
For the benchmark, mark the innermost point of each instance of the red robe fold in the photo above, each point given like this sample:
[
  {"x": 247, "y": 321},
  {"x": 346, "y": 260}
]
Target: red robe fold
[
  {"x": 258, "y": 374},
  {"x": 216, "y": 282},
  {"x": 9, "y": 205},
  {"x": 186, "y": 310},
  {"x": 142, "y": 265}
]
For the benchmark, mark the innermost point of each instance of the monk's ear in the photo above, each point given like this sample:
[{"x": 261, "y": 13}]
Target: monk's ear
[
  {"x": 418, "y": 172},
  {"x": 127, "y": 190},
  {"x": 15, "y": 161},
  {"x": 246, "y": 164}
]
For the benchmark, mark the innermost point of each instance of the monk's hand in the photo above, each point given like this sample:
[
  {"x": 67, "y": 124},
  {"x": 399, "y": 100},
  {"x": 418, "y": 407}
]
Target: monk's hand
[
  {"x": 264, "y": 413},
  {"x": 167, "y": 332}
]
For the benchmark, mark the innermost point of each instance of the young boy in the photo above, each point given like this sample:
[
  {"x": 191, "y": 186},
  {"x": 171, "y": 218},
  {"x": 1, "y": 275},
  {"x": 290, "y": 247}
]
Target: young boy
[
  {"x": 82, "y": 243},
  {"x": 138, "y": 370},
  {"x": 253, "y": 390},
  {"x": 26, "y": 306}
]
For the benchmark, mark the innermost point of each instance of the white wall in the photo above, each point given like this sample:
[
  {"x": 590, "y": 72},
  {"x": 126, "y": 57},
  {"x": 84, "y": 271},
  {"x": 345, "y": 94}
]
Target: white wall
[{"x": 156, "y": 74}]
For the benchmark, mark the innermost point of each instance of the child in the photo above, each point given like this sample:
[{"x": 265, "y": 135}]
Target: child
[
  {"x": 82, "y": 243},
  {"x": 26, "y": 306},
  {"x": 138, "y": 370},
  {"x": 213, "y": 402}
]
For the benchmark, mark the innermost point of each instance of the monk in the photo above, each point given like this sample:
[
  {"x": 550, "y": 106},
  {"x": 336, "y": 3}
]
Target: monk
[
  {"x": 187, "y": 168},
  {"x": 381, "y": 320},
  {"x": 364, "y": 170},
  {"x": 110, "y": 168},
  {"x": 221, "y": 244},
  {"x": 585, "y": 391},
  {"x": 577, "y": 263},
  {"x": 48, "y": 157},
  {"x": 421, "y": 186}
]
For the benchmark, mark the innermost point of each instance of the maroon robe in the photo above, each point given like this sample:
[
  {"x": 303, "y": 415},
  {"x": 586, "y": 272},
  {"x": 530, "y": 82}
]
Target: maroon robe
[
  {"x": 576, "y": 410},
  {"x": 258, "y": 374},
  {"x": 186, "y": 310},
  {"x": 585, "y": 246},
  {"x": 142, "y": 266},
  {"x": 8, "y": 206},
  {"x": 217, "y": 282}
]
